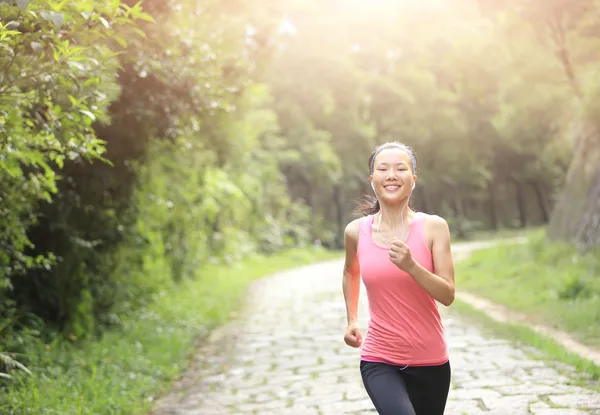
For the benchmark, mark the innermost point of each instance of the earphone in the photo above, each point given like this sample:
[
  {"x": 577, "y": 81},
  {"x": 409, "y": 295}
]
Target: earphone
[{"x": 401, "y": 212}]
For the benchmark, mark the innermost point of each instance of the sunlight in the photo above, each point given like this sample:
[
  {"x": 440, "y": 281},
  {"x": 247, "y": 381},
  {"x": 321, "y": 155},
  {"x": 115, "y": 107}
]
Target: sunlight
[
  {"x": 366, "y": 3},
  {"x": 287, "y": 27},
  {"x": 392, "y": 14},
  {"x": 397, "y": 4}
]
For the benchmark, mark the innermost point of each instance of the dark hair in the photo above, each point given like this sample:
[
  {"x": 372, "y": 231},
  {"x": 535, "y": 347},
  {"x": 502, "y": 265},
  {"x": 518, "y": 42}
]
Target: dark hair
[{"x": 369, "y": 205}]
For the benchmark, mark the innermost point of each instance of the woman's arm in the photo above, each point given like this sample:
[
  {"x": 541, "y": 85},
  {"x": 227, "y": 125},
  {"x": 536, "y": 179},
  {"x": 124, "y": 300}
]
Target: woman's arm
[
  {"x": 439, "y": 285},
  {"x": 351, "y": 275}
]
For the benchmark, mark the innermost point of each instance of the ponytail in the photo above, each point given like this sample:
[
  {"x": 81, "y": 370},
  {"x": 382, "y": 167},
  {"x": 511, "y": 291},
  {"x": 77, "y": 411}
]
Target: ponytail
[{"x": 369, "y": 205}]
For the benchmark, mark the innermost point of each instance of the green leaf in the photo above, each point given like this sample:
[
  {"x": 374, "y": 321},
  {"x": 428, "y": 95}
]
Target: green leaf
[
  {"x": 104, "y": 22},
  {"x": 146, "y": 17},
  {"x": 120, "y": 40},
  {"x": 11, "y": 363},
  {"x": 76, "y": 65},
  {"x": 89, "y": 114},
  {"x": 140, "y": 32}
]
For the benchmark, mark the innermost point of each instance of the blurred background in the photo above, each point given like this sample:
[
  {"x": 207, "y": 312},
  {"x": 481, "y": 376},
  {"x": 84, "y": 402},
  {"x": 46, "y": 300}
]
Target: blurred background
[{"x": 146, "y": 144}]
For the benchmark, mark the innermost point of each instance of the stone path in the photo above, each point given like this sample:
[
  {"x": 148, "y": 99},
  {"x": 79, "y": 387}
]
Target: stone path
[{"x": 286, "y": 355}]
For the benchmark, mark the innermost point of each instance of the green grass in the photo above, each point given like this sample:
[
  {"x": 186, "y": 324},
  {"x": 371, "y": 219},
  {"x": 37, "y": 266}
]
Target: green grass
[
  {"x": 544, "y": 348},
  {"x": 126, "y": 370},
  {"x": 548, "y": 281},
  {"x": 503, "y": 233}
]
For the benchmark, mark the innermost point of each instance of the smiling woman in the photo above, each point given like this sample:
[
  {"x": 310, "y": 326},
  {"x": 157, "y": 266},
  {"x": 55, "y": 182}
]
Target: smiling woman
[{"x": 405, "y": 275}]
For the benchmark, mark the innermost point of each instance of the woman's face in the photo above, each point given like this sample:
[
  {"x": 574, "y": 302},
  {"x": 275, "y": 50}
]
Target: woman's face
[{"x": 392, "y": 175}]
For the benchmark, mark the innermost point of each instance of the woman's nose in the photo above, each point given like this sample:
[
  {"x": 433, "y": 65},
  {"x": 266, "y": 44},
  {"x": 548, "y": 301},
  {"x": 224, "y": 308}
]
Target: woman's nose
[{"x": 392, "y": 173}]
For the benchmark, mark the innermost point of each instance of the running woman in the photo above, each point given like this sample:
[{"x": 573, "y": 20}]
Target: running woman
[{"x": 406, "y": 265}]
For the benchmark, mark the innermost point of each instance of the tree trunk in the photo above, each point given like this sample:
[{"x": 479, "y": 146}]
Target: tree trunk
[
  {"x": 423, "y": 201},
  {"x": 522, "y": 208},
  {"x": 492, "y": 203},
  {"x": 457, "y": 207},
  {"x": 588, "y": 234},
  {"x": 537, "y": 188},
  {"x": 339, "y": 214},
  {"x": 559, "y": 36},
  {"x": 576, "y": 214}
]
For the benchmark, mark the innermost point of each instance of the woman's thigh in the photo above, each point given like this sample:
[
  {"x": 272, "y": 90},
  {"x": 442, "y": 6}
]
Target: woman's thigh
[
  {"x": 386, "y": 388},
  {"x": 428, "y": 388}
]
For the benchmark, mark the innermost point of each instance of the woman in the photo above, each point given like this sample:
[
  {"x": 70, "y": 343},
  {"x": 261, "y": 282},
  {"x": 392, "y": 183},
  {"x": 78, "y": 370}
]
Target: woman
[{"x": 406, "y": 265}]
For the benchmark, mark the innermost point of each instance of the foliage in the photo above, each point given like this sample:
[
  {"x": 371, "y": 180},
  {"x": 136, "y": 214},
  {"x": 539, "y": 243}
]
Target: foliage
[
  {"x": 58, "y": 78},
  {"x": 8, "y": 363},
  {"x": 555, "y": 283},
  {"x": 126, "y": 370},
  {"x": 493, "y": 140},
  {"x": 141, "y": 142}
]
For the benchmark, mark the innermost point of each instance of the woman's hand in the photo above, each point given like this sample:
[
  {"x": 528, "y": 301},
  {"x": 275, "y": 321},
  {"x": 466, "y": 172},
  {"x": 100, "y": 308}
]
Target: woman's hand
[
  {"x": 401, "y": 256},
  {"x": 439, "y": 283},
  {"x": 353, "y": 337}
]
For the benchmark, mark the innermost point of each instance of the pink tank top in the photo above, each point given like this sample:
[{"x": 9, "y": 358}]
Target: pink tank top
[{"x": 405, "y": 327}]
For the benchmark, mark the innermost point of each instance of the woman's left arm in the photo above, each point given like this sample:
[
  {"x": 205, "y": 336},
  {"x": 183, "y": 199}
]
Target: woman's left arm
[{"x": 439, "y": 285}]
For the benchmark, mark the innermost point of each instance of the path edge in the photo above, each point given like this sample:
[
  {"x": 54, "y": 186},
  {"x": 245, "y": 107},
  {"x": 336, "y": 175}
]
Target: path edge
[{"x": 502, "y": 314}]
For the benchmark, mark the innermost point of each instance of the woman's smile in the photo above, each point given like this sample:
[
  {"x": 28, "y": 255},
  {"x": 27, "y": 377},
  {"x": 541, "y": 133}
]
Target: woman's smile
[{"x": 392, "y": 187}]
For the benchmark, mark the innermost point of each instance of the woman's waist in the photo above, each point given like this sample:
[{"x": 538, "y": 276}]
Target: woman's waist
[
  {"x": 404, "y": 346},
  {"x": 401, "y": 316},
  {"x": 438, "y": 359},
  {"x": 407, "y": 331}
]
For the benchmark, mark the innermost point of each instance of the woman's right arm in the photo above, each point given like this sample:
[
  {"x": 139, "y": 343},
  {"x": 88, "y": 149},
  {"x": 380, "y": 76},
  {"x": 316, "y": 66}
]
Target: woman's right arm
[{"x": 351, "y": 278}]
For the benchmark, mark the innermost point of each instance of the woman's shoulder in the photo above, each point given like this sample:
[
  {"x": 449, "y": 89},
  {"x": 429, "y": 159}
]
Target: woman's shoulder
[
  {"x": 434, "y": 221},
  {"x": 354, "y": 227},
  {"x": 434, "y": 226}
]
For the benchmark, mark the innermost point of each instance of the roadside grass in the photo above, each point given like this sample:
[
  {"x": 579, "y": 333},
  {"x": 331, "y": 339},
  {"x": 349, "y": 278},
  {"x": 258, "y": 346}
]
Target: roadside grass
[
  {"x": 535, "y": 345},
  {"x": 548, "y": 281},
  {"x": 484, "y": 235},
  {"x": 127, "y": 369}
]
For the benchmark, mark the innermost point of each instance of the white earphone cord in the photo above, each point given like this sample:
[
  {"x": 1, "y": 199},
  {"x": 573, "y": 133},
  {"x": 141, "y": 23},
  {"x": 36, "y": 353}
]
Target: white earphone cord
[{"x": 401, "y": 215}]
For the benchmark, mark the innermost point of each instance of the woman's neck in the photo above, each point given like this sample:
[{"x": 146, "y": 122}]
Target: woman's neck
[{"x": 392, "y": 217}]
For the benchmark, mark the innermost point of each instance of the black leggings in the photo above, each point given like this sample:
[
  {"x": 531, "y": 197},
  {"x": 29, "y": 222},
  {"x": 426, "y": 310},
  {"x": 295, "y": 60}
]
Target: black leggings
[{"x": 414, "y": 390}]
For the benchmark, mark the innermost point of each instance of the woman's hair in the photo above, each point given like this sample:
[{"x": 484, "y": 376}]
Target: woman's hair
[{"x": 369, "y": 205}]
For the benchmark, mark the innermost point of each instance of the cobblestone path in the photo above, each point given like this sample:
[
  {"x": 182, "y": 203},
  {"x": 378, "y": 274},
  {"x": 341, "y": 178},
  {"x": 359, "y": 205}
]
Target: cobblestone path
[{"x": 286, "y": 355}]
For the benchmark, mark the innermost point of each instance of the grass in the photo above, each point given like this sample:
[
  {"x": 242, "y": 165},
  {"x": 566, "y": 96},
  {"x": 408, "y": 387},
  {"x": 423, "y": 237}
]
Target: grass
[
  {"x": 540, "y": 346},
  {"x": 126, "y": 370},
  {"x": 503, "y": 233},
  {"x": 548, "y": 281}
]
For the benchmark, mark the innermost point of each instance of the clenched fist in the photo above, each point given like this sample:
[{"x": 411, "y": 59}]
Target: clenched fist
[
  {"x": 400, "y": 255},
  {"x": 353, "y": 337}
]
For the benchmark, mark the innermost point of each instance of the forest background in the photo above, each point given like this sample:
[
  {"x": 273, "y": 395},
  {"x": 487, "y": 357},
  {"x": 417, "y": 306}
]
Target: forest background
[{"x": 142, "y": 144}]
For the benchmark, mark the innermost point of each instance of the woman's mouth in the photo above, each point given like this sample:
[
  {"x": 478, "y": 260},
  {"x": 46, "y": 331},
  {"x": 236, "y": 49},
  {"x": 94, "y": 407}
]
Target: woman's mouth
[{"x": 391, "y": 187}]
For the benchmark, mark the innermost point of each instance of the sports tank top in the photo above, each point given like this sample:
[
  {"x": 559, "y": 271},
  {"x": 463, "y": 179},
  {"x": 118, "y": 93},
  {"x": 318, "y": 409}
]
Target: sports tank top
[{"x": 405, "y": 327}]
